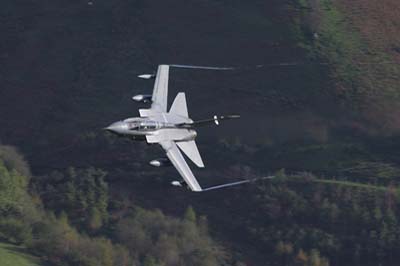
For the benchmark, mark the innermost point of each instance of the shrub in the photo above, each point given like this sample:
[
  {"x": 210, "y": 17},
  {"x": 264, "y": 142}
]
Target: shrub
[{"x": 15, "y": 231}]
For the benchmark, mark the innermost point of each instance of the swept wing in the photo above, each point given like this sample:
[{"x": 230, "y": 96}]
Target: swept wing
[
  {"x": 177, "y": 160},
  {"x": 160, "y": 91},
  {"x": 166, "y": 137}
]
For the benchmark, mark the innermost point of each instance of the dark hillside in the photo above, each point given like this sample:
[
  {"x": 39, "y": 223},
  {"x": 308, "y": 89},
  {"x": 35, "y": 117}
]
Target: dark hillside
[{"x": 79, "y": 63}]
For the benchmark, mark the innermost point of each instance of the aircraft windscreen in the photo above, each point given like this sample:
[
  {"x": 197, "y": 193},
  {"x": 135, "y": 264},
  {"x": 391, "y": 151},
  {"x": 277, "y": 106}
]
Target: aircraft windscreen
[
  {"x": 142, "y": 125},
  {"x": 148, "y": 125},
  {"x": 134, "y": 125}
]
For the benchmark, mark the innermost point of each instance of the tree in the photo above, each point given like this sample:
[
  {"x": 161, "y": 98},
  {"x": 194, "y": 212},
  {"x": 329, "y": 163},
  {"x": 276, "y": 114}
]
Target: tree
[
  {"x": 17, "y": 210},
  {"x": 95, "y": 220},
  {"x": 301, "y": 258},
  {"x": 15, "y": 230},
  {"x": 315, "y": 260},
  {"x": 190, "y": 215},
  {"x": 63, "y": 245},
  {"x": 168, "y": 240},
  {"x": 13, "y": 160},
  {"x": 150, "y": 261},
  {"x": 82, "y": 193}
]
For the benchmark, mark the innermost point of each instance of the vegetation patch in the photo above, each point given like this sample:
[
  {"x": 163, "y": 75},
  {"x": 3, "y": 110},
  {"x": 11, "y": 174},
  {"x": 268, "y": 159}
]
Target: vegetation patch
[
  {"x": 365, "y": 72},
  {"x": 67, "y": 218},
  {"x": 11, "y": 255}
]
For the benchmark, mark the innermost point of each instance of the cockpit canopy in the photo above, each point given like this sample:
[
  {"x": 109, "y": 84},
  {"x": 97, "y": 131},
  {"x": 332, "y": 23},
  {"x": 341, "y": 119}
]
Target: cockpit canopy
[{"x": 139, "y": 124}]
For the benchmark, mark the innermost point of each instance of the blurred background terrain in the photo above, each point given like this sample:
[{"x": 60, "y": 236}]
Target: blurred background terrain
[{"x": 322, "y": 114}]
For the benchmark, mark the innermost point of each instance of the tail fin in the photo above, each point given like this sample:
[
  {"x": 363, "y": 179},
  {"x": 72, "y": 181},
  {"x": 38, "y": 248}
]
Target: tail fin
[{"x": 179, "y": 106}]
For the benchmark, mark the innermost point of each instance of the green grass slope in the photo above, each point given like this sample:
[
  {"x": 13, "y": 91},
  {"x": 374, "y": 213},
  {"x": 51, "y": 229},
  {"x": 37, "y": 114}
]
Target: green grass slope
[{"x": 11, "y": 255}]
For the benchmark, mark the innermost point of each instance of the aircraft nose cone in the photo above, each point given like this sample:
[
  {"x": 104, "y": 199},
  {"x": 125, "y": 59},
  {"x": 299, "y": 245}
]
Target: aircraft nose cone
[{"x": 116, "y": 127}]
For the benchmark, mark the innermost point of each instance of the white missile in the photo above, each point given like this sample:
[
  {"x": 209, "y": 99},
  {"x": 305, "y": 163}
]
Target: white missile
[
  {"x": 160, "y": 162},
  {"x": 146, "y": 76},
  {"x": 142, "y": 98},
  {"x": 176, "y": 183},
  {"x": 155, "y": 163}
]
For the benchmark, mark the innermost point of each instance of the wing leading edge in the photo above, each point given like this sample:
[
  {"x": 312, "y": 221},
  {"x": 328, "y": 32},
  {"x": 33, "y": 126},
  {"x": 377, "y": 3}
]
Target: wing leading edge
[
  {"x": 160, "y": 91},
  {"x": 177, "y": 160}
]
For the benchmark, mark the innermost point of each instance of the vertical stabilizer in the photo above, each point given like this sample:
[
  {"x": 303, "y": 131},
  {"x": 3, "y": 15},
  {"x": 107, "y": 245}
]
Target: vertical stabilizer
[{"x": 179, "y": 106}]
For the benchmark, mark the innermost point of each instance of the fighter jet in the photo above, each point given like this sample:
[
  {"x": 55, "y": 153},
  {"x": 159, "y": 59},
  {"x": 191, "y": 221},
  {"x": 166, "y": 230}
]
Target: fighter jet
[{"x": 172, "y": 129}]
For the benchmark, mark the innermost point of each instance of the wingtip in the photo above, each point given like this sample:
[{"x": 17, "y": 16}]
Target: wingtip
[{"x": 199, "y": 189}]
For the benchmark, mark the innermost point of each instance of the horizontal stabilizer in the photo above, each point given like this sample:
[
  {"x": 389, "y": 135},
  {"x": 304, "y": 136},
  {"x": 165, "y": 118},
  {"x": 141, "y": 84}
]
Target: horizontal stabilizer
[{"x": 190, "y": 149}]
